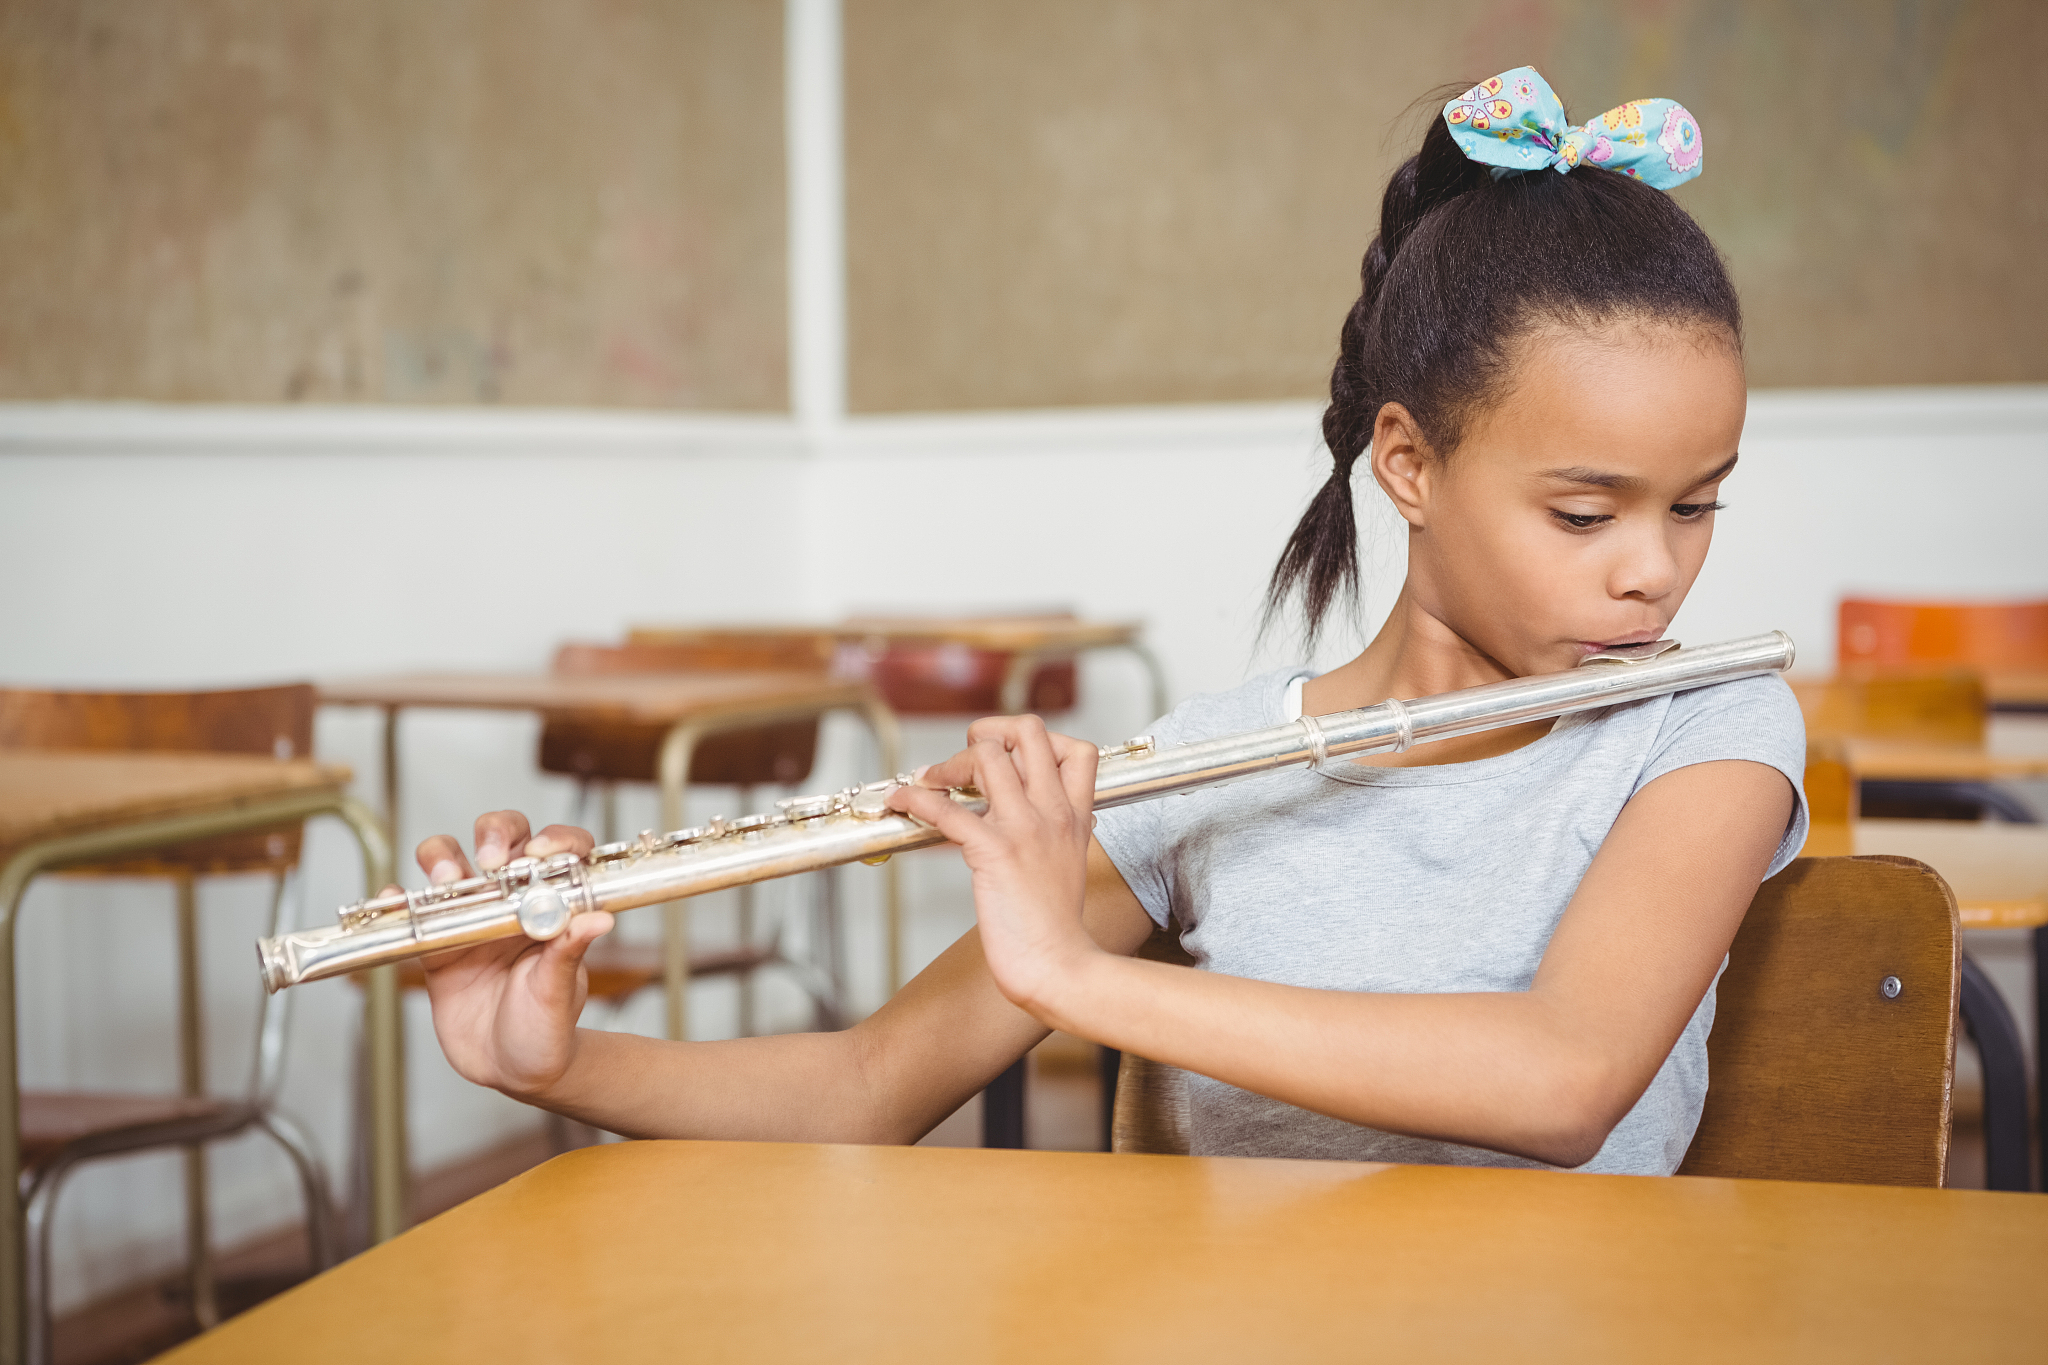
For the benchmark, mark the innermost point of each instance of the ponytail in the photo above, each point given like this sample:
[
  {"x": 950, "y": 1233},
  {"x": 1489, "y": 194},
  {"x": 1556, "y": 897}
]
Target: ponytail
[{"x": 1321, "y": 558}]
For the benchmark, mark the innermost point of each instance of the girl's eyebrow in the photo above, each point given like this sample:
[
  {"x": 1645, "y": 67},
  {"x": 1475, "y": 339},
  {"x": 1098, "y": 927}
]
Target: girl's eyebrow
[{"x": 1626, "y": 483}]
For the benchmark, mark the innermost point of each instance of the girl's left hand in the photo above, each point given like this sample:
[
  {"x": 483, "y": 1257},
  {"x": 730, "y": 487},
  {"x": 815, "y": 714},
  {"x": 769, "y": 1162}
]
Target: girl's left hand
[{"x": 1028, "y": 854}]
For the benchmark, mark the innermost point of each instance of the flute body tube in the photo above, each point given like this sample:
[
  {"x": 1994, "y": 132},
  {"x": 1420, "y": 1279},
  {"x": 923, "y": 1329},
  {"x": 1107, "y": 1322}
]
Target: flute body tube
[{"x": 536, "y": 898}]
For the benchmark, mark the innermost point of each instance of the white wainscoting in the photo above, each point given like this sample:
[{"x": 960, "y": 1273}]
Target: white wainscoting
[{"x": 145, "y": 546}]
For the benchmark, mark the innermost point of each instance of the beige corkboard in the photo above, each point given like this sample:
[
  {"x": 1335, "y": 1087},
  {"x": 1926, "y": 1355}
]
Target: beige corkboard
[
  {"x": 1125, "y": 201},
  {"x": 411, "y": 201}
]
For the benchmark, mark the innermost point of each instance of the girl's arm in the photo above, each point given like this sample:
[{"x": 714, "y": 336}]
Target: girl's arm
[
  {"x": 506, "y": 1012},
  {"x": 1544, "y": 1073}
]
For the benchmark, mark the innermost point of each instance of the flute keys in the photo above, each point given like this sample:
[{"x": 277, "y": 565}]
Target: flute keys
[
  {"x": 543, "y": 913},
  {"x": 797, "y": 809}
]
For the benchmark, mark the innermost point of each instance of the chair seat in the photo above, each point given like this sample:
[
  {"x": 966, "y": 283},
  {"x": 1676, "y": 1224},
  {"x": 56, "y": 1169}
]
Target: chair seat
[
  {"x": 620, "y": 970},
  {"x": 101, "y": 1123}
]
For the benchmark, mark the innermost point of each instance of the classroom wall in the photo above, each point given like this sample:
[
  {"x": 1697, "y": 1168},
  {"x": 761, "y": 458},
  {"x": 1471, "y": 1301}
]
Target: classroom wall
[
  {"x": 1116, "y": 201},
  {"x": 1069, "y": 202},
  {"x": 463, "y": 201},
  {"x": 312, "y": 542}
]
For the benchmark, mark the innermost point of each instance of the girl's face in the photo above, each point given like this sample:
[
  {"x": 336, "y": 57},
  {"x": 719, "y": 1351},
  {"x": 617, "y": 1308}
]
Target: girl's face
[{"x": 1577, "y": 512}]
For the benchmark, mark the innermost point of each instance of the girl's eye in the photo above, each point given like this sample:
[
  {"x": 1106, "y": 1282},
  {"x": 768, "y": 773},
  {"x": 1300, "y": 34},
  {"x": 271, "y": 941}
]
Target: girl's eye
[
  {"x": 1693, "y": 511},
  {"x": 1580, "y": 521}
]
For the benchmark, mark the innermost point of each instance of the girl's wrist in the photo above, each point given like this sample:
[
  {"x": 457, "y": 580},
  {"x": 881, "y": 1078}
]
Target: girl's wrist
[
  {"x": 550, "y": 1093},
  {"x": 1067, "y": 988}
]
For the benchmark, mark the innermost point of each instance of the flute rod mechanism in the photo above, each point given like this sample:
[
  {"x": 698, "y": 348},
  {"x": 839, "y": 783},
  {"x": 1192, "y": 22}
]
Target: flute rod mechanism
[{"x": 535, "y": 898}]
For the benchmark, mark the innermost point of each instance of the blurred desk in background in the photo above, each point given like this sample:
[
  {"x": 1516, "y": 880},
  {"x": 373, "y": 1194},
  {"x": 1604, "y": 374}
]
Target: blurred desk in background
[
  {"x": 692, "y": 705},
  {"x": 787, "y": 1252},
  {"x": 63, "y": 809},
  {"x": 935, "y": 665}
]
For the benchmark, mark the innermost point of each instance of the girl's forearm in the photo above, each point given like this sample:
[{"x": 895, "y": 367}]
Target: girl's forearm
[
  {"x": 1494, "y": 1070},
  {"x": 800, "y": 1087}
]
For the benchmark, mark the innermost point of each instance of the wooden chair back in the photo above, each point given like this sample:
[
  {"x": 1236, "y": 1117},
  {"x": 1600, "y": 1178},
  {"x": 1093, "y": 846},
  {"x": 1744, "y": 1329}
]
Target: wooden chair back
[
  {"x": 1907, "y": 636},
  {"x": 780, "y": 754},
  {"x": 1817, "y": 1073},
  {"x": 276, "y": 722}
]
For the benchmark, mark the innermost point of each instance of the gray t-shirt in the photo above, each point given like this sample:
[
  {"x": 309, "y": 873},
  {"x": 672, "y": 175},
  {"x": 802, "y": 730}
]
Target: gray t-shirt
[{"x": 1433, "y": 879}]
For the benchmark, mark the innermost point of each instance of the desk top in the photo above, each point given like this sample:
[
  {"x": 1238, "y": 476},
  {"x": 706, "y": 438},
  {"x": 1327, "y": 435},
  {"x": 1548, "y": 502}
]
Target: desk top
[
  {"x": 48, "y": 793},
  {"x": 660, "y": 698},
  {"x": 787, "y": 1252},
  {"x": 1910, "y": 761},
  {"x": 1006, "y": 634},
  {"x": 2018, "y": 691}
]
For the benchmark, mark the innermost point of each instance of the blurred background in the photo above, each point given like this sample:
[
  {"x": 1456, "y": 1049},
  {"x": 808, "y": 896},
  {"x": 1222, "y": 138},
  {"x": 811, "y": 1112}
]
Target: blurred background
[{"x": 347, "y": 338}]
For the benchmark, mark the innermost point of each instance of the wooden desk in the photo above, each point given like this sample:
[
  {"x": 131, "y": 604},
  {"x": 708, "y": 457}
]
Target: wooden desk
[
  {"x": 692, "y": 705},
  {"x": 1891, "y": 760},
  {"x": 61, "y": 809},
  {"x": 2017, "y": 691},
  {"x": 781, "y": 1252},
  {"x": 1030, "y": 641}
]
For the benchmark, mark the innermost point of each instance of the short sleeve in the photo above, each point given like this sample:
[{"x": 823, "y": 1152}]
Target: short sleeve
[
  {"x": 1134, "y": 840},
  {"x": 1135, "y": 836},
  {"x": 1754, "y": 719}
]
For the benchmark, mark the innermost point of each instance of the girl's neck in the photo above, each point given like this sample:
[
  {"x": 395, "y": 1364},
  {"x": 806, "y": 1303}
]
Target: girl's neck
[{"x": 1416, "y": 655}]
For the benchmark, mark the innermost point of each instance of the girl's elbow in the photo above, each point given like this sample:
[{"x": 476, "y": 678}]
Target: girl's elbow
[{"x": 1583, "y": 1106}]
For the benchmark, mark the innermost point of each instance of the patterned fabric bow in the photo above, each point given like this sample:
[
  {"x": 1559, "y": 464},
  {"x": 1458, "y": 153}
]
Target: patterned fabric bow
[{"x": 1515, "y": 123}]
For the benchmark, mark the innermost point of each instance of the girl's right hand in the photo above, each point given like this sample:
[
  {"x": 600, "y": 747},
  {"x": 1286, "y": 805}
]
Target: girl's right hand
[{"x": 506, "y": 1011}]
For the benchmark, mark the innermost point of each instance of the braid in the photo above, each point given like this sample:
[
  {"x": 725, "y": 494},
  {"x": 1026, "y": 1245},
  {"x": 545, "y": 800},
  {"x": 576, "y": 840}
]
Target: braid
[{"x": 1321, "y": 557}]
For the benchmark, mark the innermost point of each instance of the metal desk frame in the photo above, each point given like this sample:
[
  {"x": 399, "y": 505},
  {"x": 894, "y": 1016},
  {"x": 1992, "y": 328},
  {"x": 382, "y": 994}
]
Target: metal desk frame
[
  {"x": 384, "y": 1020},
  {"x": 25, "y": 863}
]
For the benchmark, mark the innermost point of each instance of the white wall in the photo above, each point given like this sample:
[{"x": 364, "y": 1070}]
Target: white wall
[{"x": 155, "y": 547}]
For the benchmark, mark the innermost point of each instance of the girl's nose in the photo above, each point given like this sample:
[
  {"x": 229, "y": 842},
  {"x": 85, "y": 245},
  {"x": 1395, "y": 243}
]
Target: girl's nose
[{"x": 1648, "y": 568}]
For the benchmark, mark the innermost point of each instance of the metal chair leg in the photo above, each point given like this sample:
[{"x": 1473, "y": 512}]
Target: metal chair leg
[
  {"x": 1108, "y": 1062},
  {"x": 192, "y": 1069},
  {"x": 1002, "y": 1107},
  {"x": 39, "y": 1209},
  {"x": 1991, "y": 1026},
  {"x": 313, "y": 1186}
]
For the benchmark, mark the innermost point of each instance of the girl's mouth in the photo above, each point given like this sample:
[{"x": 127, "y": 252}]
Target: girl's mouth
[{"x": 1640, "y": 637}]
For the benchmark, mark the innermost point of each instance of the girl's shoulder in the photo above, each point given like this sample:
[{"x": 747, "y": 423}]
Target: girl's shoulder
[
  {"x": 1251, "y": 705},
  {"x": 1759, "y": 713}
]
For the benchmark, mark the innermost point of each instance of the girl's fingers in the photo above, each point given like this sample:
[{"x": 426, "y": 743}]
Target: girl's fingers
[
  {"x": 995, "y": 772},
  {"x": 957, "y": 771},
  {"x": 497, "y": 834},
  {"x": 1035, "y": 758},
  {"x": 1077, "y": 760},
  {"x": 441, "y": 859},
  {"x": 560, "y": 839},
  {"x": 938, "y": 810}
]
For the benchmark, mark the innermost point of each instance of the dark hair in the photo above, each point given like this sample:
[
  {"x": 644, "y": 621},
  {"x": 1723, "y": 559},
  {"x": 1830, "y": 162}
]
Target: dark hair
[{"x": 1463, "y": 267}]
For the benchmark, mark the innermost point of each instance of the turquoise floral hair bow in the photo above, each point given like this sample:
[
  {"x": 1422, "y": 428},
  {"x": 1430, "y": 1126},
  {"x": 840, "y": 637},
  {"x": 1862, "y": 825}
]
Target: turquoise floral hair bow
[{"x": 1515, "y": 123}]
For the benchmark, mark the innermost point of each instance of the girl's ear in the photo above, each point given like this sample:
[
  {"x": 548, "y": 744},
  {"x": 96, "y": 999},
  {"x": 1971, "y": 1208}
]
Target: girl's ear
[{"x": 1401, "y": 462}]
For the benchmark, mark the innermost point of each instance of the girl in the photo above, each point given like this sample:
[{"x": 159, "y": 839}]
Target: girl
[{"x": 1498, "y": 949}]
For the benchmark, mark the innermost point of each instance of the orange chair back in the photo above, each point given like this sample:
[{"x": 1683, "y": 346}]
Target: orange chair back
[{"x": 1992, "y": 636}]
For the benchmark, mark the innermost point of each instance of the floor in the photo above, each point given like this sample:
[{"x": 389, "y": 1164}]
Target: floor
[{"x": 1062, "y": 1114}]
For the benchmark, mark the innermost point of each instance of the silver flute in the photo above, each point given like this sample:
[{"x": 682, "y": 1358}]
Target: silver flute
[{"x": 535, "y": 898}]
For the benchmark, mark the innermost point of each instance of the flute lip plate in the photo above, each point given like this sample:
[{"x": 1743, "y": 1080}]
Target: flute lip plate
[{"x": 1631, "y": 654}]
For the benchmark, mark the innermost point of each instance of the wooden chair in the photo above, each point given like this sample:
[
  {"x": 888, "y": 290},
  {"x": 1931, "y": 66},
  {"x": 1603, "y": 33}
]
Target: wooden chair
[
  {"x": 1820, "y": 1069},
  {"x": 59, "y": 1131},
  {"x": 1894, "y": 647},
  {"x": 601, "y": 756}
]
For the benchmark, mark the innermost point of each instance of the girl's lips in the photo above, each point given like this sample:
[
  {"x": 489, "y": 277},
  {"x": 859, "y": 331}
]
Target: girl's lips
[{"x": 1641, "y": 637}]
